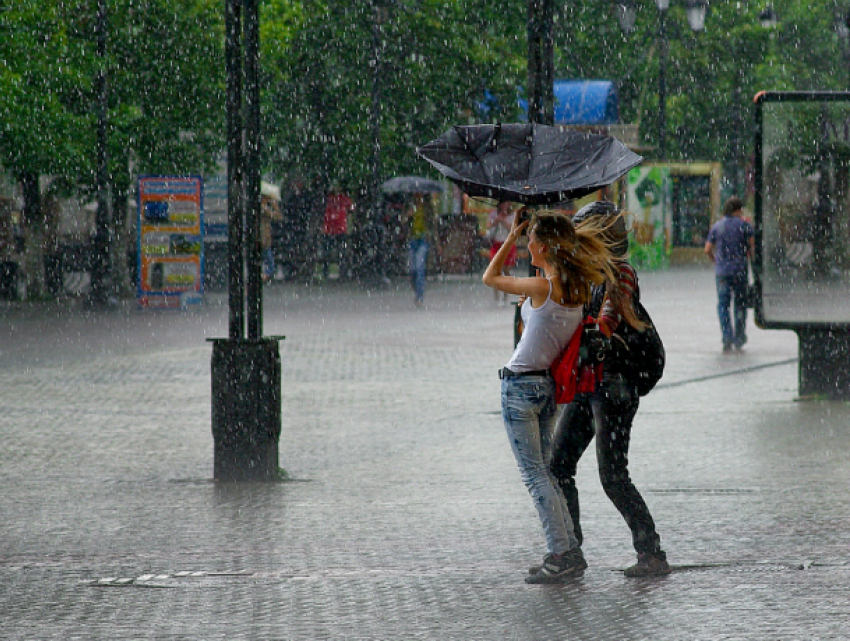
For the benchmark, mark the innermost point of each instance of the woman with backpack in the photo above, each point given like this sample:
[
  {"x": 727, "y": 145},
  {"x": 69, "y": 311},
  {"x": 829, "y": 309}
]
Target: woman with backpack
[
  {"x": 607, "y": 412},
  {"x": 572, "y": 262}
]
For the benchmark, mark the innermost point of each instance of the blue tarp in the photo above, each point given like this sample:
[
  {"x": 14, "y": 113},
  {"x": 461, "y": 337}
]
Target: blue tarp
[{"x": 584, "y": 102}]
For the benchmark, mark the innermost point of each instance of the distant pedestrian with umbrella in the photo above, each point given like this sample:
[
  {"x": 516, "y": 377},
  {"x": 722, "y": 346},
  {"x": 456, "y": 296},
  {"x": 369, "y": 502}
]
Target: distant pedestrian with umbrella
[
  {"x": 420, "y": 215},
  {"x": 572, "y": 261},
  {"x": 269, "y": 212}
]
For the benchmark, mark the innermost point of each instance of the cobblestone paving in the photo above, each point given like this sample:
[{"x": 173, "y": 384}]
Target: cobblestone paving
[{"x": 407, "y": 518}]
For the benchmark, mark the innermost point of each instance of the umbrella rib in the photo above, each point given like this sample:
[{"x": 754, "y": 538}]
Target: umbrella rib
[{"x": 487, "y": 175}]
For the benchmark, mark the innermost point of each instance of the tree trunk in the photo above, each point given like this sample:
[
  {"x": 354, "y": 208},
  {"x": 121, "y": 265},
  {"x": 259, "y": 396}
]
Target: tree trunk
[
  {"x": 124, "y": 285},
  {"x": 33, "y": 221}
]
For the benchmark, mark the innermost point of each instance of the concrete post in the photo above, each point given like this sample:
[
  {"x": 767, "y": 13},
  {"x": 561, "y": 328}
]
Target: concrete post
[
  {"x": 246, "y": 409},
  {"x": 824, "y": 365}
]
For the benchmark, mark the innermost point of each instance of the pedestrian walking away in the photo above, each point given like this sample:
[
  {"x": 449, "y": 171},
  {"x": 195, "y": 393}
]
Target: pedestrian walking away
[
  {"x": 338, "y": 207},
  {"x": 420, "y": 214},
  {"x": 269, "y": 211},
  {"x": 572, "y": 262},
  {"x": 607, "y": 412},
  {"x": 730, "y": 246}
]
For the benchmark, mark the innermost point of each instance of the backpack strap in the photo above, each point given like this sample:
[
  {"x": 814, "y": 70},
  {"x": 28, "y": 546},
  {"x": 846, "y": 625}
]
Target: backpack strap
[{"x": 594, "y": 306}]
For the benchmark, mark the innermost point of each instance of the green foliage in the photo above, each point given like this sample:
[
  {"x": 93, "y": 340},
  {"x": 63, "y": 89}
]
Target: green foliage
[
  {"x": 436, "y": 58},
  {"x": 43, "y": 75},
  {"x": 166, "y": 86},
  {"x": 711, "y": 76},
  {"x": 437, "y": 61},
  {"x": 164, "y": 67},
  {"x": 650, "y": 256}
]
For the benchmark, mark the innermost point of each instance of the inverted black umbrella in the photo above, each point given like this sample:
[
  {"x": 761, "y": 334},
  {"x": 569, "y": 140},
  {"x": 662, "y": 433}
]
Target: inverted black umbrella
[
  {"x": 528, "y": 163},
  {"x": 412, "y": 185}
]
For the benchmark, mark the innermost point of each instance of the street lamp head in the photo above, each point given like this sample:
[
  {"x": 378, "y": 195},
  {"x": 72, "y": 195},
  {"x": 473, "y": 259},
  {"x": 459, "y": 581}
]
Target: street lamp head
[
  {"x": 627, "y": 15},
  {"x": 768, "y": 18},
  {"x": 696, "y": 10}
]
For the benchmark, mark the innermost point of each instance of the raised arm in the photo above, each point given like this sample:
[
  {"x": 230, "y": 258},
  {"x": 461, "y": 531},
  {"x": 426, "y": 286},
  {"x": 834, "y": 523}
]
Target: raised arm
[{"x": 535, "y": 287}]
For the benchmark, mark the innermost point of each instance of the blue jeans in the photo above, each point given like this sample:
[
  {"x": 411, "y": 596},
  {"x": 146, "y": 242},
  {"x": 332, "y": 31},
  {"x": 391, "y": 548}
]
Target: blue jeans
[
  {"x": 528, "y": 409},
  {"x": 268, "y": 263},
  {"x": 729, "y": 288},
  {"x": 417, "y": 255}
]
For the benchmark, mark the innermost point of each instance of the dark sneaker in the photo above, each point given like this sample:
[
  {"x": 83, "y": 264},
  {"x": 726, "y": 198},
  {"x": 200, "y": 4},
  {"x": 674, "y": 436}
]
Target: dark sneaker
[
  {"x": 649, "y": 565},
  {"x": 554, "y": 570}
]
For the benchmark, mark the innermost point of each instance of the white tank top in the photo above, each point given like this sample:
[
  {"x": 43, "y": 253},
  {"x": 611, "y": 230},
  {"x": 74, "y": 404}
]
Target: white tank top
[{"x": 546, "y": 332}]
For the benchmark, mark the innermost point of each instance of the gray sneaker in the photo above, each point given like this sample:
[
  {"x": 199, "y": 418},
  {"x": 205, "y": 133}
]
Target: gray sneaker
[
  {"x": 649, "y": 565},
  {"x": 571, "y": 564}
]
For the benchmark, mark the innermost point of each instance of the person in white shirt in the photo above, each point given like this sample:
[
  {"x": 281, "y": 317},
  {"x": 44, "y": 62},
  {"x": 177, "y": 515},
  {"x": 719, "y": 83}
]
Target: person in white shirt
[{"x": 572, "y": 262}]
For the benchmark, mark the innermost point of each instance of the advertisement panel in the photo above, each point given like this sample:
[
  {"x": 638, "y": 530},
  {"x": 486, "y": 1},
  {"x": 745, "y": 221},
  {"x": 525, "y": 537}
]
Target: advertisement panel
[
  {"x": 170, "y": 242},
  {"x": 648, "y": 201},
  {"x": 802, "y": 262}
]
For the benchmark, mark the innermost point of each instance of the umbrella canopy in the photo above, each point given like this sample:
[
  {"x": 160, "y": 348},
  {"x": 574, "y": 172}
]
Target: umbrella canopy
[
  {"x": 528, "y": 163},
  {"x": 412, "y": 185}
]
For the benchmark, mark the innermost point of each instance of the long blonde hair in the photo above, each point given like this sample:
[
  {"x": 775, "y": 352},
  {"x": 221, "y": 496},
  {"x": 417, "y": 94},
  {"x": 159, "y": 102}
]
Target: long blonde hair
[
  {"x": 611, "y": 226},
  {"x": 581, "y": 257}
]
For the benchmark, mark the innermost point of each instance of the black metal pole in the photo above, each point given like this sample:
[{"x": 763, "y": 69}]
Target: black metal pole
[
  {"x": 847, "y": 45},
  {"x": 246, "y": 383},
  {"x": 101, "y": 260},
  {"x": 254, "y": 250},
  {"x": 547, "y": 64},
  {"x": 374, "y": 251},
  {"x": 662, "y": 85},
  {"x": 737, "y": 125},
  {"x": 235, "y": 212},
  {"x": 541, "y": 87},
  {"x": 541, "y": 107}
]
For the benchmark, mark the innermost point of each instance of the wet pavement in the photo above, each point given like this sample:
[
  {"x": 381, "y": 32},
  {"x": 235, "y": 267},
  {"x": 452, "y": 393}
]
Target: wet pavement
[{"x": 406, "y": 518}]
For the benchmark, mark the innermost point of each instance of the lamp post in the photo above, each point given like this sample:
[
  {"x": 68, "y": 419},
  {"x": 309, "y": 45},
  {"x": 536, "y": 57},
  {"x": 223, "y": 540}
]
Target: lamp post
[
  {"x": 540, "y": 66},
  {"x": 101, "y": 271},
  {"x": 842, "y": 28},
  {"x": 541, "y": 74},
  {"x": 246, "y": 387},
  {"x": 374, "y": 269},
  {"x": 695, "y": 11}
]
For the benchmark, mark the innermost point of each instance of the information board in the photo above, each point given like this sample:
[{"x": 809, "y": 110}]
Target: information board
[
  {"x": 170, "y": 241},
  {"x": 802, "y": 258}
]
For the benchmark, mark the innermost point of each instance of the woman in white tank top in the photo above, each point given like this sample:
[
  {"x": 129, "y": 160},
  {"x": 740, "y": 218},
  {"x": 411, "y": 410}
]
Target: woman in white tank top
[{"x": 572, "y": 262}]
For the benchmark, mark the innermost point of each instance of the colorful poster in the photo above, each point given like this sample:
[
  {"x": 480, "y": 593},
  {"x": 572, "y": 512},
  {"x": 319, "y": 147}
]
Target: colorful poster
[
  {"x": 170, "y": 242},
  {"x": 648, "y": 202}
]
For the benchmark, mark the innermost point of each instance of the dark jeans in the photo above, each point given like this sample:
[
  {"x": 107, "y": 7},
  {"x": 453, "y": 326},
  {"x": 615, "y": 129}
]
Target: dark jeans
[
  {"x": 607, "y": 414},
  {"x": 729, "y": 288},
  {"x": 333, "y": 250}
]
